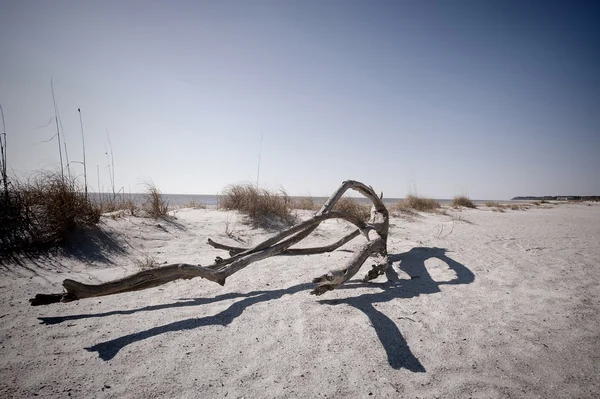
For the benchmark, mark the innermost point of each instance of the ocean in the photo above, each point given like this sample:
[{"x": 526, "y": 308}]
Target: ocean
[{"x": 181, "y": 200}]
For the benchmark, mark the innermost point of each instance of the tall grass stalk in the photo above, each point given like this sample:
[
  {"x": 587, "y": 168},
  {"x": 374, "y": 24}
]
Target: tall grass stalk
[
  {"x": 111, "y": 170},
  {"x": 62, "y": 170},
  {"x": 64, "y": 143},
  {"x": 3, "y": 164},
  {"x": 83, "y": 145}
]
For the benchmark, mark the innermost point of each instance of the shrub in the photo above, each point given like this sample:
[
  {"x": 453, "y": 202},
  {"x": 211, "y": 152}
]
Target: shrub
[
  {"x": 462, "y": 200},
  {"x": 41, "y": 212},
  {"x": 353, "y": 207},
  {"x": 417, "y": 203},
  {"x": 262, "y": 207}
]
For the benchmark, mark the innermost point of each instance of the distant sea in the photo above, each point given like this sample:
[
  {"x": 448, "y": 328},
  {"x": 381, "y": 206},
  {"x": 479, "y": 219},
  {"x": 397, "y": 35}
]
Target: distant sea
[{"x": 179, "y": 200}]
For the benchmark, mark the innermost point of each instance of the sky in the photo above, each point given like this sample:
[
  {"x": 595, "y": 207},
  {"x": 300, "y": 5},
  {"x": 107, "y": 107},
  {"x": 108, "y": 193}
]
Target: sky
[{"x": 490, "y": 99}]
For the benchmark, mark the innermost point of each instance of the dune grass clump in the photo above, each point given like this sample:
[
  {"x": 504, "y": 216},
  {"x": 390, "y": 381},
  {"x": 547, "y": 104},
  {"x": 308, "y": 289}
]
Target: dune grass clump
[
  {"x": 263, "y": 207},
  {"x": 464, "y": 201},
  {"x": 155, "y": 204},
  {"x": 40, "y": 213},
  {"x": 418, "y": 203},
  {"x": 195, "y": 205},
  {"x": 353, "y": 207},
  {"x": 518, "y": 207},
  {"x": 495, "y": 205},
  {"x": 108, "y": 204},
  {"x": 305, "y": 203}
]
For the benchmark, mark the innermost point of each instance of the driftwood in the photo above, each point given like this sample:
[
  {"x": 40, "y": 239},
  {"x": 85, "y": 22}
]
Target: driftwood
[{"x": 375, "y": 231}]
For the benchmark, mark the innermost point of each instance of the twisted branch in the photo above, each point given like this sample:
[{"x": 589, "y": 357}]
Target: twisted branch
[{"x": 375, "y": 230}]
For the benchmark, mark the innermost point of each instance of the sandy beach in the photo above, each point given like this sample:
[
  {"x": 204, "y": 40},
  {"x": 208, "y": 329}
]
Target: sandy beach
[{"x": 480, "y": 304}]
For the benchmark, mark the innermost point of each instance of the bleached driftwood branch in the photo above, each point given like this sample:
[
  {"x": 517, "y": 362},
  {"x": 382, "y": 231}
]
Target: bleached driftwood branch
[{"x": 375, "y": 230}]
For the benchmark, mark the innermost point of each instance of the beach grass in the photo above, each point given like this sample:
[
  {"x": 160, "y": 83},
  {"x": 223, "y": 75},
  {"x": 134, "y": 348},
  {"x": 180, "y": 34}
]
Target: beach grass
[
  {"x": 353, "y": 207},
  {"x": 462, "y": 201},
  {"x": 155, "y": 205},
  {"x": 305, "y": 203},
  {"x": 418, "y": 203},
  {"x": 40, "y": 212},
  {"x": 262, "y": 207}
]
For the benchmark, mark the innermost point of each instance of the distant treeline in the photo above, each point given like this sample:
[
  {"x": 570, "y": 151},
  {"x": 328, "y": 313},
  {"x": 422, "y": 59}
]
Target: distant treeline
[{"x": 560, "y": 198}]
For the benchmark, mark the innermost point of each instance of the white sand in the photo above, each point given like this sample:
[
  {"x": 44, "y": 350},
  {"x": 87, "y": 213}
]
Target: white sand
[{"x": 505, "y": 306}]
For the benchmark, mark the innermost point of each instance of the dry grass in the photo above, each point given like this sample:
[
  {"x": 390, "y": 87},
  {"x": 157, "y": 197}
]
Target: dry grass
[
  {"x": 147, "y": 262},
  {"x": 518, "y": 207},
  {"x": 306, "y": 203},
  {"x": 195, "y": 205},
  {"x": 464, "y": 201},
  {"x": 154, "y": 203},
  {"x": 418, "y": 203},
  {"x": 492, "y": 204},
  {"x": 263, "y": 207},
  {"x": 460, "y": 218},
  {"x": 353, "y": 207},
  {"x": 108, "y": 204},
  {"x": 41, "y": 212}
]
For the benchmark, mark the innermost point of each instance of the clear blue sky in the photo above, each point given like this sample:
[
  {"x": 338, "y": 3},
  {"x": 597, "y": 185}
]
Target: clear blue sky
[{"x": 491, "y": 99}]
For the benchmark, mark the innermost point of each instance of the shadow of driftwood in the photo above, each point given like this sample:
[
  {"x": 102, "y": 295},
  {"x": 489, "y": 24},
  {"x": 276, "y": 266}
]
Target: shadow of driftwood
[
  {"x": 412, "y": 263},
  {"x": 107, "y": 350},
  {"x": 398, "y": 352}
]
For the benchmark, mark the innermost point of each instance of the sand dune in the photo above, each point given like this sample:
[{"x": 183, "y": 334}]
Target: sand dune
[{"x": 479, "y": 304}]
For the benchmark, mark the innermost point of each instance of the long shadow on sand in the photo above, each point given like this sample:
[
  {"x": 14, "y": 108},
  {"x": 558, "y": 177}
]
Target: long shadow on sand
[
  {"x": 412, "y": 263},
  {"x": 90, "y": 244},
  {"x": 398, "y": 352}
]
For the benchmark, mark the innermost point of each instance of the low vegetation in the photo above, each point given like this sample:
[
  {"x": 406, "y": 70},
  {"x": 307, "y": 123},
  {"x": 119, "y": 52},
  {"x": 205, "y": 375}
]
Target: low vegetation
[
  {"x": 195, "y": 205},
  {"x": 155, "y": 204},
  {"x": 353, "y": 207},
  {"x": 417, "y": 203},
  {"x": 108, "y": 203},
  {"x": 518, "y": 207},
  {"x": 305, "y": 203},
  {"x": 41, "y": 212},
  {"x": 464, "y": 201},
  {"x": 147, "y": 262},
  {"x": 262, "y": 207}
]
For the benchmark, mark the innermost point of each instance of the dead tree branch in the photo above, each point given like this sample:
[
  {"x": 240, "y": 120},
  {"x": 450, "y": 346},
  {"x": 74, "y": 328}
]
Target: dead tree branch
[{"x": 375, "y": 231}]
